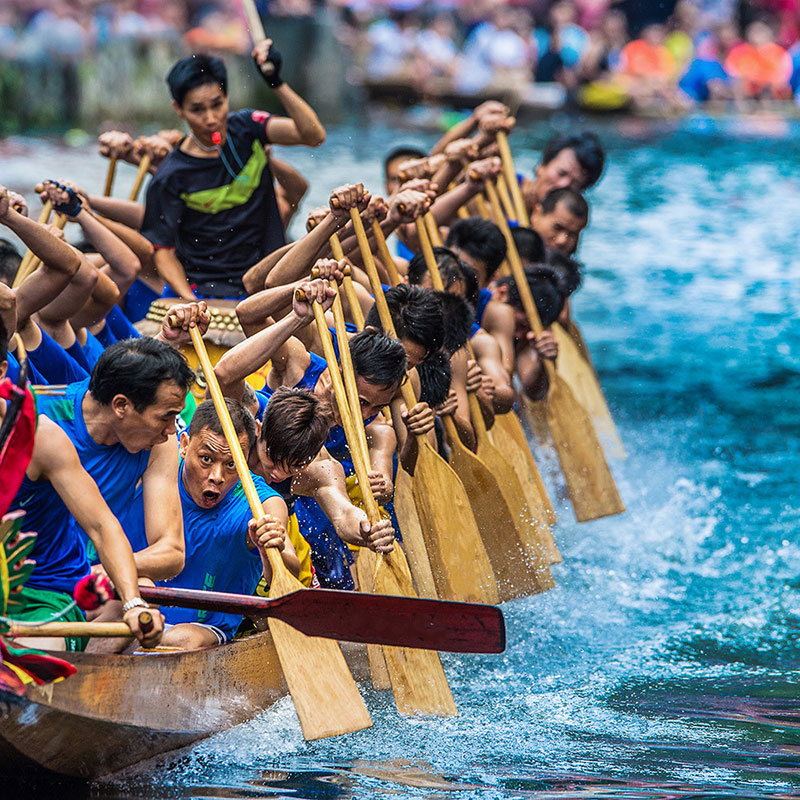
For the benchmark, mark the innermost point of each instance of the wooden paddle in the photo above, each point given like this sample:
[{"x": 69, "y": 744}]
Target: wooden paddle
[
  {"x": 104, "y": 630},
  {"x": 385, "y": 253},
  {"x": 358, "y": 617},
  {"x": 325, "y": 695},
  {"x": 589, "y": 481},
  {"x": 352, "y": 299},
  {"x": 112, "y": 170},
  {"x": 513, "y": 537},
  {"x": 580, "y": 376},
  {"x": 511, "y": 180},
  {"x": 418, "y": 680},
  {"x": 505, "y": 198},
  {"x": 144, "y": 166},
  {"x": 253, "y": 21},
  {"x": 458, "y": 559}
]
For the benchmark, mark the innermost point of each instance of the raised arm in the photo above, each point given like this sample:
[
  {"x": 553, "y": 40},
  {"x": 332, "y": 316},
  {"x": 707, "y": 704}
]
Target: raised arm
[
  {"x": 163, "y": 558},
  {"x": 302, "y": 126}
]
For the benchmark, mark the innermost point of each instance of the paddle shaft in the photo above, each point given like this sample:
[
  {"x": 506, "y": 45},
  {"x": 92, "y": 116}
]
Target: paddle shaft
[
  {"x": 24, "y": 268},
  {"x": 253, "y": 21},
  {"x": 144, "y": 166},
  {"x": 112, "y": 171},
  {"x": 103, "y": 630},
  {"x": 275, "y": 560},
  {"x": 505, "y": 198},
  {"x": 356, "y": 312},
  {"x": 511, "y": 180},
  {"x": 34, "y": 262},
  {"x": 385, "y": 254}
]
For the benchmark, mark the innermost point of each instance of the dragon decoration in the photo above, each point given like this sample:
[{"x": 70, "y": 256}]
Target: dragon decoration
[{"x": 19, "y": 666}]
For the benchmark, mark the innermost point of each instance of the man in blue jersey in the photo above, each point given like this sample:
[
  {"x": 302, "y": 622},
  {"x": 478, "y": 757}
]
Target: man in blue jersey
[
  {"x": 54, "y": 490},
  {"x": 225, "y": 547},
  {"x": 211, "y": 210},
  {"x": 122, "y": 423}
]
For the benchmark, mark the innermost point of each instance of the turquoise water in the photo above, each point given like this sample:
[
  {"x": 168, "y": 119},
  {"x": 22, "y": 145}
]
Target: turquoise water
[{"x": 666, "y": 662}]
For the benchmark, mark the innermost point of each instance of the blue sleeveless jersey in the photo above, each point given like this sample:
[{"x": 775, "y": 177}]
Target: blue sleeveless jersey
[
  {"x": 12, "y": 371},
  {"x": 217, "y": 556},
  {"x": 77, "y": 353},
  {"x": 120, "y": 326},
  {"x": 93, "y": 349},
  {"x": 115, "y": 471},
  {"x": 54, "y": 363},
  {"x": 483, "y": 300},
  {"x": 60, "y": 551}
]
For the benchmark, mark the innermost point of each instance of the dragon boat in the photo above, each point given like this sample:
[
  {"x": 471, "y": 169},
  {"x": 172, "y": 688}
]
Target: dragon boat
[{"x": 119, "y": 710}]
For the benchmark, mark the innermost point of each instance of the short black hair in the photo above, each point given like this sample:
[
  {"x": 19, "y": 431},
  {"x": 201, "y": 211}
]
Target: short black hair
[
  {"x": 529, "y": 245},
  {"x": 377, "y": 358},
  {"x": 416, "y": 314},
  {"x": 205, "y": 416},
  {"x": 588, "y": 150},
  {"x": 544, "y": 285},
  {"x": 451, "y": 269},
  {"x": 458, "y": 318},
  {"x": 402, "y": 151},
  {"x": 196, "y": 70},
  {"x": 479, "y": 239},
  {"x": 567, "y": 271},
  {"x": 136, "y": 368},
  {"x": 574, "y": 201},
  {"x": 434, "y": 378},
  {"x": 295, "y": 425},
  {"x": 9, "y": 262}
]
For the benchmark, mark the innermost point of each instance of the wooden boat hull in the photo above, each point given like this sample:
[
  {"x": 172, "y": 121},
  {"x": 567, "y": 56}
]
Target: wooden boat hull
[{"x": 120, "y": 710}]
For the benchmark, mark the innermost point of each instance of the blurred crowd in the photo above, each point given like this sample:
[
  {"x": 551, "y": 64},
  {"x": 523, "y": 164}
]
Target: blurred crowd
[{"x": 606, "y": 54}]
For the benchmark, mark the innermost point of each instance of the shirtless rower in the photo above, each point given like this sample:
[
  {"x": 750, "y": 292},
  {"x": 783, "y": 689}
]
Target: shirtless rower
[
  {"x": 211, "y": 210},
  {"x": 55, "y": 489},
  {"x": 560, "y": 219}
]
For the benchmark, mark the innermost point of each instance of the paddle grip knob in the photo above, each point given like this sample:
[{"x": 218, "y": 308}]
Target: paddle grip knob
[
  {"x": 146, "y": 621},
  {"x": 315, "y": 272},
  {"x": 299, "y": 294}
]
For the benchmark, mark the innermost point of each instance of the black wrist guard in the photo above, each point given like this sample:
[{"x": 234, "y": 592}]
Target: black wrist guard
[
  {"x": 274, "y": 59},
  {"x": 73, "y": 207}
]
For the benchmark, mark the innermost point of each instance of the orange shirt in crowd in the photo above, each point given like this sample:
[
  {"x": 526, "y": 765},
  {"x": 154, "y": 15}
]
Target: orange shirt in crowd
[
  {"x": 767, "y": 66},
  {"x": 641, "y": 59}
]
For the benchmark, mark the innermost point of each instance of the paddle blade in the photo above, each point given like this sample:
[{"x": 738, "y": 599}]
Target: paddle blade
[
  {"x": 319, "y": 681},
  {"x": 418, "y": 680},
  {"x": 590, "y": 484},
  {"x": 457, "y": 554},
  {"x": 359, "y": 617}
]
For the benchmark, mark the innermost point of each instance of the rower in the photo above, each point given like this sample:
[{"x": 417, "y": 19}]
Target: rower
[
  {"x": 290, "y": 455},
  {"x": 530, "y": 348},
  {"x": 211, "y": 210},
  {"x": 379, "y": 364},
  {"x": 560, "y": 219},
  {"x": 574, "y": 161},
  {"x": 225, "y": 546},
  {"x": 461, "y": 280},
  {"x": 122, "y": 423},
  {"x": 55, "y": 492}
]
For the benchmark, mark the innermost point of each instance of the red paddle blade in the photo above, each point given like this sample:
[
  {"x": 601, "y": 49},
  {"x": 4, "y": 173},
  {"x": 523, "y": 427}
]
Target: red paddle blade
[{"x": 359, "y": 617}]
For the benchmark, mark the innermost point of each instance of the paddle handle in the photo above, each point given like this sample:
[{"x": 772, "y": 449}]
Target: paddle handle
[
  {"x": 81, "y": 629},
  {"x": 385, "y": 253},
  {"x": 253, "y": 21},
  {"x": 336, "y": 246},
  {"x": 257, "y": 510},
  {"x": 505, "y": 198},
  {"x": 409, "y": 398},
  {"x": 352, "y": 299},
  {"x": 144, "y": 165},
  {"x": 511, "y": 179},
  {"x": 112, "y": 171},
  {"x": 433, "y": 230},
  {"x": 427, "y": 253}
]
